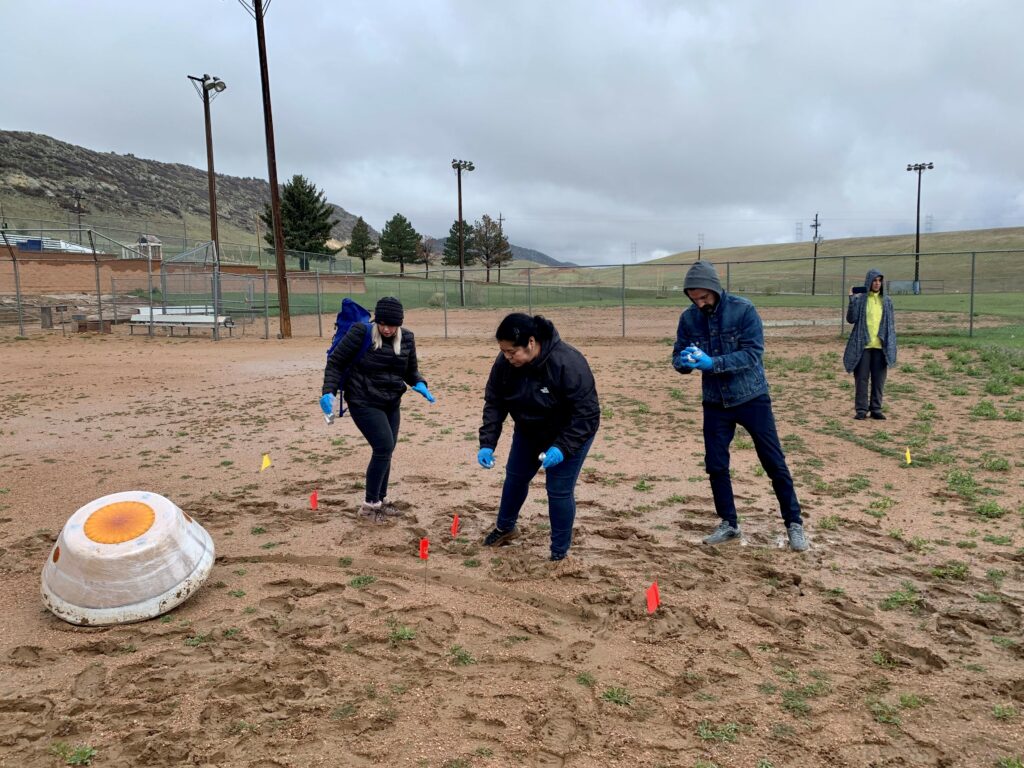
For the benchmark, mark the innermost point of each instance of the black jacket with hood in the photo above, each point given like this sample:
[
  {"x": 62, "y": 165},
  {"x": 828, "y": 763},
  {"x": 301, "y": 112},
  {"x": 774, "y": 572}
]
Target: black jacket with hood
[
  {"x": 378, "y": 380},
  {"x": 552, "y": 399}
]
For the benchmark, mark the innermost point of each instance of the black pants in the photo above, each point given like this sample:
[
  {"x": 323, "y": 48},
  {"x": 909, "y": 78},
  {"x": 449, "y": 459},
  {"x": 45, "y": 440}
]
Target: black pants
[
  {"x": 871, "y": 366},
  {"x": 380, "y": 428},
  {"x": 757, "y": 418}
]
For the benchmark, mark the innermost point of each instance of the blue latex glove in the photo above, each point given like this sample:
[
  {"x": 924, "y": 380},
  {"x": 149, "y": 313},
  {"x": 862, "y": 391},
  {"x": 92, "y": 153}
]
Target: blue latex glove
[
  {"x": 327, "y": 404},
  {"x": 485, "y": 457},
  {"x": 421, "y": 387},
  {"x": 701, "y": 360},
  {"x": 682, "y": 362},
  {"x": 552, "y": 457}
]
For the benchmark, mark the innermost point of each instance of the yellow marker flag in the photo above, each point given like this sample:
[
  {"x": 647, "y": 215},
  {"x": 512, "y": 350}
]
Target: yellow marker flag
[
  {"x": 266, "y": 461},
  {"x": 908, "y": 455}
]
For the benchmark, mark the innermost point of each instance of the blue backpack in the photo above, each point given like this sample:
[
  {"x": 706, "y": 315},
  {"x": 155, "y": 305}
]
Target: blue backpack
[{"x": 350, "y": 314}]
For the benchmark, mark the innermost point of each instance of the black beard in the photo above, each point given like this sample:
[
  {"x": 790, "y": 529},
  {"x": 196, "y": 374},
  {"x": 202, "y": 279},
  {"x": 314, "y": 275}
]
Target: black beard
[{"x": 709, "y": 309}]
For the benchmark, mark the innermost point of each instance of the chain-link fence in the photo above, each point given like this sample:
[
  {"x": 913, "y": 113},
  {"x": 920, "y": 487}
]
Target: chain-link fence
[{"x": 106, "y": 283}]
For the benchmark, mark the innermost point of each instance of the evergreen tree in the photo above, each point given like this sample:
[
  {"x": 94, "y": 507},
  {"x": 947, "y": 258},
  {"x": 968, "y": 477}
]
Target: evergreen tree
[
  {"x": 398, "y": 242},
  {"x": 305, "y": 219},
  {"x": 451, "y": 245},
  {"x": 490, "y": 246},
  {"x": 361, "y": 246}
]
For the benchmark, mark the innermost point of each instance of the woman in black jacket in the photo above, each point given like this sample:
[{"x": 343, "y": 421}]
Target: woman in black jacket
[
  {"x": 547, "y": 387},
  {"x": 373, "y": 390}
]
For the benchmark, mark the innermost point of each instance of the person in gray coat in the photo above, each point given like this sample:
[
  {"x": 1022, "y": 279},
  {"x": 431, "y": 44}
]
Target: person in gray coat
[{"x": 871, "y": 348}]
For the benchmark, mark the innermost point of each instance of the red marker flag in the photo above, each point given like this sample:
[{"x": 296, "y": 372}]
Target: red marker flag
[
  {"x": 653, "y": 598},
  {"x": 455, "y": 525},
  {"x": 314, "y": 500},
  {"x": 424, "y": 545}
]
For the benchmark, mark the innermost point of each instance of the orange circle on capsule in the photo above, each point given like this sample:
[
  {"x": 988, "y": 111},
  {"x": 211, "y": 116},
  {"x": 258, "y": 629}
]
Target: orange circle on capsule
[{"x": 119, "y": 522}]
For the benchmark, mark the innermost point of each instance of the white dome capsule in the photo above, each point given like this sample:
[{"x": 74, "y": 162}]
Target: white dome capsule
[{"x": 125, "y": 557}]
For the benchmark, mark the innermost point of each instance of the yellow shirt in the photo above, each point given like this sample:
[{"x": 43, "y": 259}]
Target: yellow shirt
[{"x": 873, "y": 317}]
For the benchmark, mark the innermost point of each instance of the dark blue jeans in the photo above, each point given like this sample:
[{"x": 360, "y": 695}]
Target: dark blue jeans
[
  {"x": 719, "y": 428},
  {"x": 380, "y": 428},
  {"x": 560, "y": 481}
]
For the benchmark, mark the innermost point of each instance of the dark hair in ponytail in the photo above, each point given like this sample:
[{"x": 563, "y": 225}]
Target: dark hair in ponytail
[{"x": 518, "y": 327}]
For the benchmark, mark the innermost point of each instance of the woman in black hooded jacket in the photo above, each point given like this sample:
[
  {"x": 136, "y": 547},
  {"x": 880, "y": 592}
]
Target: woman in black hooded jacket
[
  {"x": 373, "y": 390},
  {"x": 547, "y": 387}
]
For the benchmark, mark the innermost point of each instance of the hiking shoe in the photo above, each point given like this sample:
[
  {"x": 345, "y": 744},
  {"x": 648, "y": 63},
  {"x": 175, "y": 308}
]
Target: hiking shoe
[
  {"x": 860, "y": 416},
  {"x": 388, "y": 508},
  {"x": 723, "y": 533},
  {"x": 499, "y": 538},
  {"x": 878, "y": 415},
  {"x": 797, "y": 539},
  {"x": 372, "y": 510}
]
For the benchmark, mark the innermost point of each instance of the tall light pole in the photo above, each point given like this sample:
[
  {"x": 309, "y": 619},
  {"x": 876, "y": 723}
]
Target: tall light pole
[
  {"x": 920, "y": 168},
  {"x": 208, "y": 87},
  {"x": 258, "y": 10},
  {"x": 814, "y": 268},
  {"x": 460, "y": 166}
]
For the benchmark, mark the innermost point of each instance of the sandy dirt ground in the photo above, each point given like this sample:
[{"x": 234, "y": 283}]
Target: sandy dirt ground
[{"x": 321, "y": 639}]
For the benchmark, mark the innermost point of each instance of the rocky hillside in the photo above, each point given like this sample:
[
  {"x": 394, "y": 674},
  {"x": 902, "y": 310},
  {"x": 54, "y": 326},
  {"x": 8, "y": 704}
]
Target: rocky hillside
[{"x": 40, "y": 169}]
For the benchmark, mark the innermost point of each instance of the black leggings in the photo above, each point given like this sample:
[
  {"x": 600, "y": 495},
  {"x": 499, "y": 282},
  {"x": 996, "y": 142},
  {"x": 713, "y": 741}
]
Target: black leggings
[{"x": 380, "y": 428}]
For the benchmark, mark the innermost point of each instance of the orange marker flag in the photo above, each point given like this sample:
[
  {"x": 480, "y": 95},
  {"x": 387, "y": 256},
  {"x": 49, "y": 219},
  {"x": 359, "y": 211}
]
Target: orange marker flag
[
  {"x": 653, "y": 598},
  {"x": 266, "y": 462},
  {"x": 314, "y": 500},
  {"x": 455, "y": 525},
  {"x": 424, "y": 546}
]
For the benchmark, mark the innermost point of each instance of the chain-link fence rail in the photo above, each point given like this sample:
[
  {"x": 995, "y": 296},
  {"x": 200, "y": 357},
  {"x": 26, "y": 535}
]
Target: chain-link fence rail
[{"x": 941, "y": 293}]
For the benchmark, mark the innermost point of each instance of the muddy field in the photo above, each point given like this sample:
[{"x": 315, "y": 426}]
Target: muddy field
[{"x": 321, "y": 639}]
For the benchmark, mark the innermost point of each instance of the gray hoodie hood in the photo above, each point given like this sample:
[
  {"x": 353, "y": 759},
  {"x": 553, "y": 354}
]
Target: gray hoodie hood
[
  {"x": 870, "y": 278},
  {"x": 703, "y": 275}
]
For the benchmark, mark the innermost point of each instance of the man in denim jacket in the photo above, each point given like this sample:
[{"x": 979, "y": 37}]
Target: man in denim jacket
[{"x": 721, "y": 336}]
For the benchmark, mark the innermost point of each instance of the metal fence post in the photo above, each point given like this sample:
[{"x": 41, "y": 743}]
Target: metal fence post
[
  {"x": 266, "y": 306},
  {"x": 529, "y": 290},
  {"x": 728, "y": 276},
  {"x": 96, "y": 267},
  {"x": 444, "y": 293},
  {"x": 970, "y": 326},
  {"x": 17, "y": 286},
  {"x": 113, "y": 294},
  {"x": 319, "y": 315},
  {"x": 149, "y": 284},
  {"x": 842, "y": 303},
  {"x": 623, "y": 301}
]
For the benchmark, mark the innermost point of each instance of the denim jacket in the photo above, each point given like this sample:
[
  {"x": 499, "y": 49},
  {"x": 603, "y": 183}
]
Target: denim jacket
[{"x": 734, "y": 337}]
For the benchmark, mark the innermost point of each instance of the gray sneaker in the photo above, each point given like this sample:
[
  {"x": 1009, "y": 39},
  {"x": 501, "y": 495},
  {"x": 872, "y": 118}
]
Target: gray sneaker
[
  {"x": 723, "y": 533},
  {"x": 797, "y": 539}
]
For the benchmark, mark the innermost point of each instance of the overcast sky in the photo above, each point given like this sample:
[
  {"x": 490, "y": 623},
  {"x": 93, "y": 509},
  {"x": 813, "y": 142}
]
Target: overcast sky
[{"x": 598, "y": 129}]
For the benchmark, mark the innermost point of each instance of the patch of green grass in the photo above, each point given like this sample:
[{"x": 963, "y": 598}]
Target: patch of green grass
[
  {"x": 994, "y": 463},
  {"x": 460, "y": 656},
  {"x": 995, "y": 576},
  {"x": 257, "y": 530},
  {"x": 907, "y": 597},
  {"x": 1000, "y": 541},
  {"x": 795, "y": 702},
  {"x": 344, "y": 562},
  {"x": 990, "y": 510},
  {"x": 618, "y": 696},
  {"x": 80, "y": 755},
  {"x": 399, "y": 635},
  {"x": 643, "y": 485},
  {"x": 1009, "y": 762},
  {"x": 359, "y": 582},
  {"x": 1005, "y": 642},
  {"x": 962, "y": 483},
  {"x": 830, "y": 523},
  {"x": 471, "y": 562},
  {"x": 984, "y": 410},
  {"x": 913, "y": 701},
  {"x": 728, "y": 732},
  {"x": 954, "y": 570},
  {"x": 198, "y": 639},
  {"x": 884, "y": 659},
  {"x": 237, "y": 593},
  {"x": 1001, "y": 712},
  {"x": 884, "y": 713},
  {"x": 586, "y": 679}
]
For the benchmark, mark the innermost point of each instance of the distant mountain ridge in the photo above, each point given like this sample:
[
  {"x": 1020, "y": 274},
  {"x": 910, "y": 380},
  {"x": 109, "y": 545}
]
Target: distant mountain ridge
[{"x": 38, "y": 168}]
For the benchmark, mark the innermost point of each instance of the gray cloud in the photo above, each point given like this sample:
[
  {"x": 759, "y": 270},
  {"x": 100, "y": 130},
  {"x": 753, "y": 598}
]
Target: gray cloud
[{"x": 593, "y": 125}]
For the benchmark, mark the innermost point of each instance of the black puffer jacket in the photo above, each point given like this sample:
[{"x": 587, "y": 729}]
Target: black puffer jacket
[
  {"x": 552, "y": 399},
  {"x": 380, "y": 378}
]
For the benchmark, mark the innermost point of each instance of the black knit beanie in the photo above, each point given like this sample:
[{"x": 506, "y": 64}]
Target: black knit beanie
[{"x": 389, "y": 311}]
